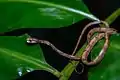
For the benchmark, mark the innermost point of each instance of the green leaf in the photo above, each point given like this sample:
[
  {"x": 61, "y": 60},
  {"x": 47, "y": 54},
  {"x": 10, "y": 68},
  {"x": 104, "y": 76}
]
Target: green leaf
[
  {"x": 109, "y": 68},
  {"x": 16, "y": 57},
  {"x": 41, "y": 14}
]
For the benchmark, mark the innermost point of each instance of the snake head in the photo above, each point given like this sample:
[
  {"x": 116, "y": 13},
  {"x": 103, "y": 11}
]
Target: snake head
[
  {"x": 112, "y": 31},
  {"x": 32, "y": 40}
]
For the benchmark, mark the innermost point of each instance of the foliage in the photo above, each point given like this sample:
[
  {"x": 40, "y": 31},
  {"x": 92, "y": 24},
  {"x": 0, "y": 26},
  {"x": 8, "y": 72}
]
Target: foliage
[{"x": 17, "y": 58}]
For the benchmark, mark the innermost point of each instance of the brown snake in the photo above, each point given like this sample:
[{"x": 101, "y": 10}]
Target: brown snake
[
  {"x": 90, "y": 46},
  {"x": 100, "y": 30},
  {"x": 84, "y": 29},
  {"x": 34, "y": 40},
  {"x": 106, "y": 32}
]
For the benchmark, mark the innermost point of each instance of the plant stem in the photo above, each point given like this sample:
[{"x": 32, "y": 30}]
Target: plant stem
[
  {"x": 112, "y": 17},
  {"x": 67, "y": 71},
  {"x": 56, "y": 73}
]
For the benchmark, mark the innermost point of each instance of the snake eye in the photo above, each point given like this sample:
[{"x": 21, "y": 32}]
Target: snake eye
[
  {"x": 114, "y": 30},
  {"x": 31, "y": 40}
]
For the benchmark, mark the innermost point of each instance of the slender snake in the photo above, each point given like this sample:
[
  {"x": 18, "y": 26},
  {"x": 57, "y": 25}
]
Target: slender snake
[{"x": 104, "y": 33}]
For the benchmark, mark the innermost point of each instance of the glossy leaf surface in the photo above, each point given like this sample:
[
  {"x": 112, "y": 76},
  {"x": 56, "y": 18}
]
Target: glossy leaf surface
[
  {"x": 39, "y": 14},
  {"x": 17, "y": 58}
]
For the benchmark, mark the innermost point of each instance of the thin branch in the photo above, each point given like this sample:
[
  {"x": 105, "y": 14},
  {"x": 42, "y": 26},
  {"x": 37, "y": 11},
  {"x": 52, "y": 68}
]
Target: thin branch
[{"x": 112, "y": 17}]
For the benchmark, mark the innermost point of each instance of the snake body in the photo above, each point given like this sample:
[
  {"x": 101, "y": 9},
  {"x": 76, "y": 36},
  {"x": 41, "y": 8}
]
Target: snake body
[
  {"x": 84, "y": 29},
  {"x": 89, "y": 48},
  {"x": 104, "y": 33},
  {"x": 34, "y": 40},
  {"x": 100, "y": 30}
]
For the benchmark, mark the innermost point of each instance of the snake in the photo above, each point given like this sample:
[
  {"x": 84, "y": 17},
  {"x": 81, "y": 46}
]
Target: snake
[
  {"x": 103, "y": 33},
  {"x": 85, "y": 28}
]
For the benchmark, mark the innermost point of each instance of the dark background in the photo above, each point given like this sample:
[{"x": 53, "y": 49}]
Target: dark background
[{"x": 65, "y": 39}]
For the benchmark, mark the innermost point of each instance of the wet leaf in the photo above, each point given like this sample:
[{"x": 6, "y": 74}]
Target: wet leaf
[
  {"x": 40, "y": 14},
  {"x": 17, "y": 58}
]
